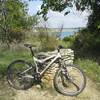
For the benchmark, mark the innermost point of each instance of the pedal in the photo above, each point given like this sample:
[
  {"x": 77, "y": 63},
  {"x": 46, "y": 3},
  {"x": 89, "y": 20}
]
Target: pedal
[{"x": 36, "y": 77}]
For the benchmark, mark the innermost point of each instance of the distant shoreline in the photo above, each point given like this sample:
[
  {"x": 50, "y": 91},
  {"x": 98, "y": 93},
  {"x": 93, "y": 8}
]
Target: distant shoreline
[
  {"x": 68, "y": 28},
  {"x": 64, "y": 29}
]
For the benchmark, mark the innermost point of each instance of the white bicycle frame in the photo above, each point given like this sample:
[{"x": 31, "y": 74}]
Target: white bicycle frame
[{"x": 53, "y": 57}]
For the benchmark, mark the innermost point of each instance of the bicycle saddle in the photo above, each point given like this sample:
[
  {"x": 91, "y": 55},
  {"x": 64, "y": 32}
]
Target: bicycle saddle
[{"x": 29, "y": 45}]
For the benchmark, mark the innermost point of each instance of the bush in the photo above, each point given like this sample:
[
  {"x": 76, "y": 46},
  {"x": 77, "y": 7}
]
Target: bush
[
  {"x": 87, "y": 41},
  {"x": 47, "y": 39},
  {"x": 69, "y": 40},
  {"x": 91, "y": 69}
]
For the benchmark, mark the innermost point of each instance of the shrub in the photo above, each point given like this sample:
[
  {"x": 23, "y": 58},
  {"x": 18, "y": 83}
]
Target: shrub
[{"x": 47, "y": 39}]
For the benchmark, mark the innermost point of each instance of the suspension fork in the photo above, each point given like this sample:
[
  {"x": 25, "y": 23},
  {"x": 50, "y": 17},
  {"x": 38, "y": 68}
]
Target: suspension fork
[
  {"x": 63, "y": 68},
  {"x": 62, "y": 65},
  {"x": 66, "y": 75}
]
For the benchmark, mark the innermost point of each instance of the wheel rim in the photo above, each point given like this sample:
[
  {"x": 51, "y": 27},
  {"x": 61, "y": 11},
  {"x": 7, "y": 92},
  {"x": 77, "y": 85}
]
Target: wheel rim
[
  {"x": 75, "y": 82},
  {"x": 16, "y": 79}
]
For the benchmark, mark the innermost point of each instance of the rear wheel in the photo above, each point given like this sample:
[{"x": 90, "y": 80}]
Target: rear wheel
[
  {"x": 69, "y": 81},
  {"x": 17, "y": 72}
]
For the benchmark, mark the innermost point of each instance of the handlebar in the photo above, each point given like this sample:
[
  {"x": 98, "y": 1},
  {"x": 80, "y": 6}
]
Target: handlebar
[{"x": 30, "y": 47}]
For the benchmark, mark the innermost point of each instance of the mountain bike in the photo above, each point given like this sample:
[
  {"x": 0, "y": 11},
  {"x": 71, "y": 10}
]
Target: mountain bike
[{"x": 69, "y": 80}]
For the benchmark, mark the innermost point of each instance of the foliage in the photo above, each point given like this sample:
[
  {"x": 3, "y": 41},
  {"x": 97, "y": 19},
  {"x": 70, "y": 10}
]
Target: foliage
[
  {"x": 87, "y": 41},
  {"x": 88, "y": 38},
  {"x": 60, "y": 5},
  {"x": 94, "y": 18},
  {"x": 47, "y": 39},
  {"x": 69, "y": 40},
  {"x": 7, "y": 55},
  {"x": 14, "y": 20},
  {"x": 91, "y": 69}
]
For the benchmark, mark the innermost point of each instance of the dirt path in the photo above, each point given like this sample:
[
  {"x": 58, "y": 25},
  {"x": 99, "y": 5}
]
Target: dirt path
[{"x": 89, "y": 93}]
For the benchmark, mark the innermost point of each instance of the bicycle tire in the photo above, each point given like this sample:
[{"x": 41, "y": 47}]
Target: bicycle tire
[
  {"x": 60, "y": 90},
  {"x": 11, "y": 71}
]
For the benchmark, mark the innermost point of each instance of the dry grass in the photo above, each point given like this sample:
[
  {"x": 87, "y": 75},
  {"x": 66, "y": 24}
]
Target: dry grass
[
  {"x": 90, "y": 93},
  {"x": 6, "y": 92}
]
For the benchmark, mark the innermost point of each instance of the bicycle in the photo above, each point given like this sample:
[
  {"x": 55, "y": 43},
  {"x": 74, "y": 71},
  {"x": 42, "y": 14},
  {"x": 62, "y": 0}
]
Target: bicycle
[{"x": 69, "y": 80}]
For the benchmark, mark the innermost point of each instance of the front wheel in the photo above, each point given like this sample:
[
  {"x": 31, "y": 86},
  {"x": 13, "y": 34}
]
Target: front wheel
[
  {"x": 17, "y": 72},
  {"x": 69, "y": 81}
]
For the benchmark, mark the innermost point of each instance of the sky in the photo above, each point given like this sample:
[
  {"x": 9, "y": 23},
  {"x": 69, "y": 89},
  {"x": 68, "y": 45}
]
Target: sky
[{"x": 56, "y": 19}]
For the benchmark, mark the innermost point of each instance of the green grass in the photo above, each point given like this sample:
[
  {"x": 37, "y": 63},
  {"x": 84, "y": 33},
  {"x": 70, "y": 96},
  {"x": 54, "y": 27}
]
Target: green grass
[
  {"x": 7, "y": 56},
  {"x": 64, "y": 44},
  {"x": 91, "y": 69}
]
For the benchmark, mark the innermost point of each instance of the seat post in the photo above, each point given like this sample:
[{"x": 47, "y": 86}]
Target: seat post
[{"x": 31, "y": 51}]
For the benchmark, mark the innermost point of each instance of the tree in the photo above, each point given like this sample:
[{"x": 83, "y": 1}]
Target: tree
[
  {"x": 60, "y": 5},
  {"x": 90, "y": 37},
  {"x": 14, "y": 20},
  {"x": 94, "y": 18}
]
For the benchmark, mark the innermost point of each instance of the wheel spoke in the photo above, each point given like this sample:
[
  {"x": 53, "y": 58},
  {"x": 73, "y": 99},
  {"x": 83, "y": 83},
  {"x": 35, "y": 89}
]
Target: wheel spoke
[
  {"x": 75, "y": 85},
  {"x": 72, "y": 81},
  {"x": 17, "y": 72}
]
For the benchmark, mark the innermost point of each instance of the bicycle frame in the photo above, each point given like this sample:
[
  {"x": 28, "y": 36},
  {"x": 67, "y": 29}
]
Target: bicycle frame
[
  {"x": 53, "y": 57},
  {"x": 28, "y": 75}
]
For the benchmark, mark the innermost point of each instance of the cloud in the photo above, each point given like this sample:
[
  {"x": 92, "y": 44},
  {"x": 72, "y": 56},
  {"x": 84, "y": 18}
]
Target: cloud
[
  {"x": 34, "y": 6},
  {"x": 56, "y": 19},
  {"x": 71, "y": 20}
]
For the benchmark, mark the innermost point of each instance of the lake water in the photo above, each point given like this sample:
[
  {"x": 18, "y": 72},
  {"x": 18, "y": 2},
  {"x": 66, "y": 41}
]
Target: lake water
[
  {"x": 68, "y": 32},
  {"x": 64, "y": 34}
]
